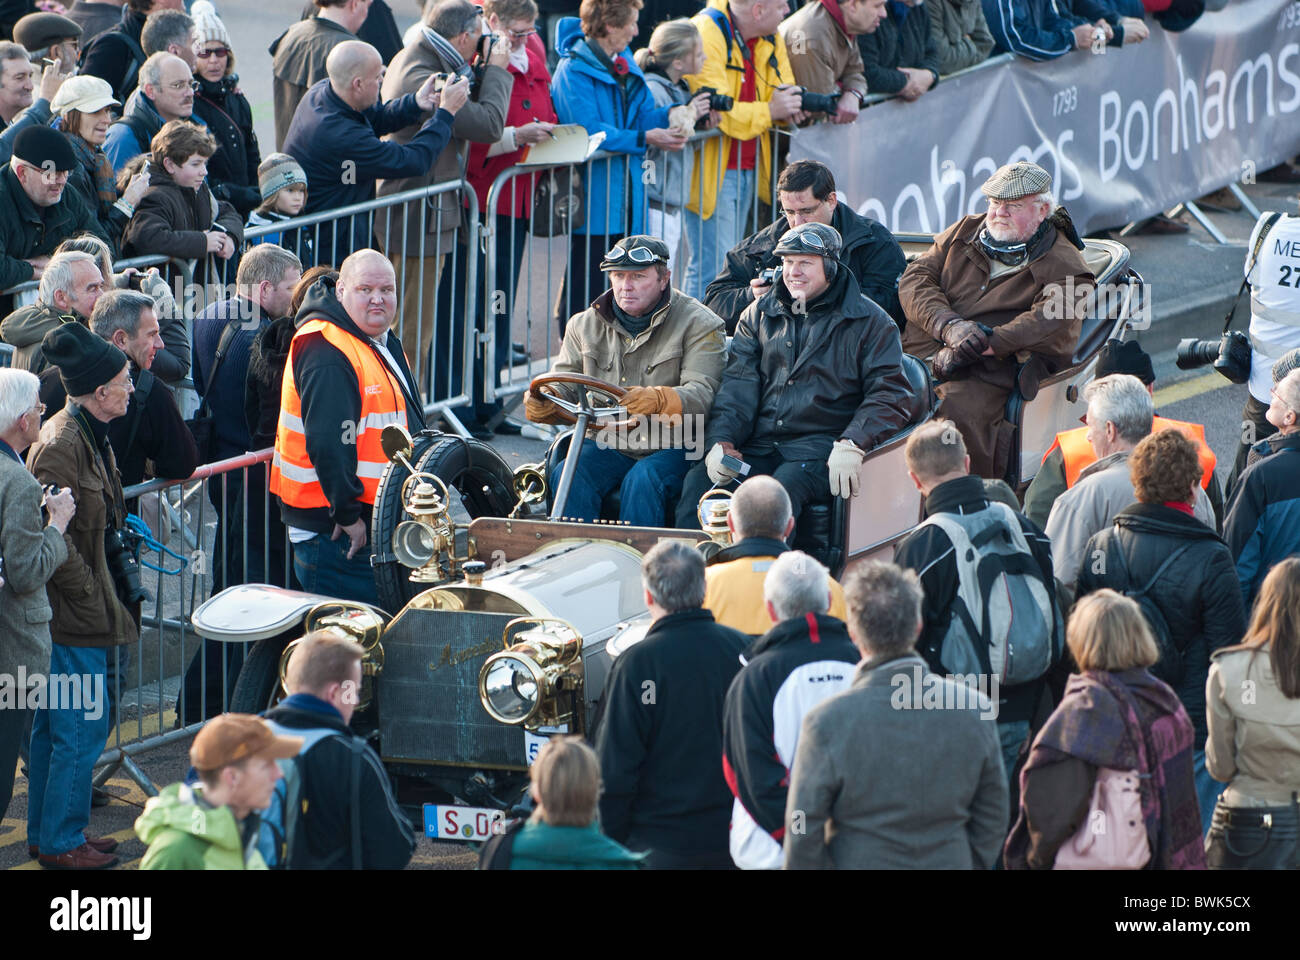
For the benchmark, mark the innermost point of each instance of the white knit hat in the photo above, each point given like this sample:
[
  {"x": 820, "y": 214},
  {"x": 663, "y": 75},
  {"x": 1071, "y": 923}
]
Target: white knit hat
[{"x": 208, "y": 27}]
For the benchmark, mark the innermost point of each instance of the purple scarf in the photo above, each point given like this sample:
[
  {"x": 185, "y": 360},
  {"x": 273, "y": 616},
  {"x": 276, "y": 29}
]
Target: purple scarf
[{"x": 1098, "y": 721}]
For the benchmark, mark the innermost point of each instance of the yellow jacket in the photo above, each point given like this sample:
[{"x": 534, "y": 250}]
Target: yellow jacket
[{"x": 745, "y": 121}]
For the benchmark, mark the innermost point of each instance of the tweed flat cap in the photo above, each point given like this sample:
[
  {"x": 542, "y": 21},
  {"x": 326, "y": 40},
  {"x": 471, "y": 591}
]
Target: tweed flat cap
[{"x": 1017, "y": 180}]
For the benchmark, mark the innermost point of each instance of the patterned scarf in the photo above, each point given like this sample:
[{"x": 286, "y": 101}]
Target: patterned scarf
[{"x": 95, "y": 162}]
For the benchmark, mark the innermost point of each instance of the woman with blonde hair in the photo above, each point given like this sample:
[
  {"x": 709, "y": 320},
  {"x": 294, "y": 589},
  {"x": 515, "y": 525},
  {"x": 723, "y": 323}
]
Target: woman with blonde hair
[
  {"x": 1253, "y": 707},
  {"x": 1115, "y": 716},
  {"x": 562, "y": 833}
]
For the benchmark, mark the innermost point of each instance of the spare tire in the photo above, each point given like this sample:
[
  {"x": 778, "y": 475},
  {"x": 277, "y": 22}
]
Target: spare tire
[{"x": 469, "y": 467}]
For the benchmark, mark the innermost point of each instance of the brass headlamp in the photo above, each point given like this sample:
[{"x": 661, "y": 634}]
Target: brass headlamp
[
  {"x": 356, "y": 622},
  {"x": 712, "y": 511},
  {"x": 537, "y": 680},
  {"x": 419, "y": 543}
]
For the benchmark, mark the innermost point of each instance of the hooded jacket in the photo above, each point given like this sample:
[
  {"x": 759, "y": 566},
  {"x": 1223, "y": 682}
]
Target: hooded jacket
[
  {"x": 185, "y": 832},
  {"x": 869, "y": 250},
  {"x": 796, "y": 665},
  {"x": 1198, "y": 596},
  {"x": 232, "y": 170},
  {"x": 586, "y": 93},
  {"x": 172, "y": 219},
  {"x": 540, "y": 846},
  {"x": 327, "y": 385},
  {"x": 1263, "y": 524},
  {"x": 671, "y": 186},
  {"x": 664, "y": 790},
  {"x": 26, "y": 327},
  {"x": 27, "y": 230},
  {"x": 845, "y": 381}
]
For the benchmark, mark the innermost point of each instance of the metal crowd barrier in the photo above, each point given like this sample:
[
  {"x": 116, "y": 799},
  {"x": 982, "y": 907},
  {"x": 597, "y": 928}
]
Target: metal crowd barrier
[
  {"x": 997, "y": 60},
  {"x": 548, "y": 279}
]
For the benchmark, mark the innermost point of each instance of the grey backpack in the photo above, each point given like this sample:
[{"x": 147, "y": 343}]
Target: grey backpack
[{"x": 1005, "y": 618}]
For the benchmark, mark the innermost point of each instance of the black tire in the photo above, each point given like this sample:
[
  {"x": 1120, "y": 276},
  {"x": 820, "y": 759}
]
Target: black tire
[
  {"x": 258, "y": 686},
  {"x": 475, "y": 469}
]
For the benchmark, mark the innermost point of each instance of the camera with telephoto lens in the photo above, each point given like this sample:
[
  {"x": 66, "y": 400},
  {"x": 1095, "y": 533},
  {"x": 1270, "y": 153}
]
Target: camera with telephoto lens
[
  {"x": 717, "y": 101},
  {"x": 124, "y": 569},
  {"x": 1229, "y": 355},
  {"x": 810, "y": 102}
]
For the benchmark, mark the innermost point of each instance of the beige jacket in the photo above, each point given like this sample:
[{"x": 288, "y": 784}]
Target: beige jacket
[
  {"x": 683, "y": 348},
  {"x": 1254, "y": 742},
  {"x": 823, "y": 56}
]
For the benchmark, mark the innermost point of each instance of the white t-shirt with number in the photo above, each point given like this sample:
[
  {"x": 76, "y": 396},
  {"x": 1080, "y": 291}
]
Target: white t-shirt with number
[{"x": 1274, "y": 299}]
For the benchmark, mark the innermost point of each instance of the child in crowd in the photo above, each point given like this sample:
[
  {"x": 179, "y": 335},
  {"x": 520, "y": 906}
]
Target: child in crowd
[
  {"x": 179, "y": 216},
  {"x": 283, "y": 185}
]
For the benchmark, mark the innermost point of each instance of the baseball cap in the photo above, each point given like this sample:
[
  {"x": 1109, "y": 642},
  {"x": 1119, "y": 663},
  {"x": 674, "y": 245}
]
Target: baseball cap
[{"x": 233, "y": 737}]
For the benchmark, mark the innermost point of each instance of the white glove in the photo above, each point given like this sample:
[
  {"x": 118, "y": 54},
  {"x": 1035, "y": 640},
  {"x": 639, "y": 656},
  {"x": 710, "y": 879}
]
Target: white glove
[
  {"x": 844, "y": 462},
  {"x": 713, "y": 464}
]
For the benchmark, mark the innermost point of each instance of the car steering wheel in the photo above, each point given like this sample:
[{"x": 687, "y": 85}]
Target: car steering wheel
[{"x": 568, "y": 410}]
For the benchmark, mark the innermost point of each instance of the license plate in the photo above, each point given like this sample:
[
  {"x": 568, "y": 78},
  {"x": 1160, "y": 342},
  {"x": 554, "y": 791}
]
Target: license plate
[{"x": 449, "y": 822}]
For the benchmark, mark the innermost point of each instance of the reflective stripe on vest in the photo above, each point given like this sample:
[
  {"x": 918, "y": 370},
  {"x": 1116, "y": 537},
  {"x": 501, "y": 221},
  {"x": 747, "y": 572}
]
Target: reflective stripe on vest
[
  {"x": 293, "y": 477},
  {"x": 1078, "y": 454}
]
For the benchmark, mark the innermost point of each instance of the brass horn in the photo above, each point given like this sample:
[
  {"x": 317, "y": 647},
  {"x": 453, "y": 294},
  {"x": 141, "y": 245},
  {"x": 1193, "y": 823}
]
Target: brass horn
[
  {"x": 356, "y": 622},
  {"x": 529, "y": 485},
  {"x": 712, "y": 510}
]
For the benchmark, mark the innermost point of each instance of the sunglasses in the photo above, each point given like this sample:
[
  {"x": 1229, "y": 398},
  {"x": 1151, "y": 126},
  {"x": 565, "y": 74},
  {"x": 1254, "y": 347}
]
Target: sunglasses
[
  {"x": 214, "y": 52},
  {"x": 635, "y": 255}
]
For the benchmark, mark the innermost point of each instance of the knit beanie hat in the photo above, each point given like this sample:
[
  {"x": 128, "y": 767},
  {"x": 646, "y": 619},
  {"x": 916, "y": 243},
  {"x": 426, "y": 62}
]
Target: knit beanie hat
[
  {"x": 40, "y": 145},
  {"x": 277, "y": 171},
  {"x": 85, "y": 361},
  {"x": 208, "y": 27}
]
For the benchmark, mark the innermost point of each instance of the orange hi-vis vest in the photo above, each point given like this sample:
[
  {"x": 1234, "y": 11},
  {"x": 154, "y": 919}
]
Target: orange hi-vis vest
[
  {"x": 1078, "y": 454},
  {"x": 293, "y": 478}
]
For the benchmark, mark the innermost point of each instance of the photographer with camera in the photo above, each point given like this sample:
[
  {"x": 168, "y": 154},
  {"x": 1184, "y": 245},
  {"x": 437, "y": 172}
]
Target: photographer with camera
[
  {"x": 89, "y": 594},
  {"x": 822, "y": 40},
  {"x": 901, "y": 57}
]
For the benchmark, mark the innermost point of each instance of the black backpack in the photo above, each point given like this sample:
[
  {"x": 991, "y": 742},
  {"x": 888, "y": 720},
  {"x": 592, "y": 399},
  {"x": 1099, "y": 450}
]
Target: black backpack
[
  {"x": 497, "y": 852},
  {"x": 1169, "y": 667}
]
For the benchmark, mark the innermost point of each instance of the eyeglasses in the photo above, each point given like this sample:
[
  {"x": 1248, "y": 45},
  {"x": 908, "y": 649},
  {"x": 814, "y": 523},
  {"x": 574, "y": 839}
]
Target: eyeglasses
[
  {"x": 521, "y": 34},
  {"x": 39, "y": 409},
  {"x": 635, "y": 255},
  {"x": 180, "y": 85},
  {"x": 214, "y": 52}
]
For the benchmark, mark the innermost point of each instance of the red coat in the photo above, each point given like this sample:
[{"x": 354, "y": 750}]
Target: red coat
[{"x": 530, "y": 99}]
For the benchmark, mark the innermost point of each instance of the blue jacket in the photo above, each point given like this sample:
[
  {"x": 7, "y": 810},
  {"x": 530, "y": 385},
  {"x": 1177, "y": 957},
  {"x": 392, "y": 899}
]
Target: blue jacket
[
  {"x": 1263, "y": 524},
  {"x": 1030, "y": 28},
  {"x": 124, "y": 142},
  {"x": 586, "y": 93},
  {"x": 341, "y": 153}
]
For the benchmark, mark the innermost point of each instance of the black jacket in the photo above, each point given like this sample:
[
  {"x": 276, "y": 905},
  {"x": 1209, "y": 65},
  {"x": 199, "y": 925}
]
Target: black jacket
[
  {"x": 1263, "y": 524},
  {"x": 869, "y": 249},
  {"x": 929, "y": 552},
  {"x": 661, "y": 738},
  {"x": 1198, "y": 595},
  {"x": 846, "y": 380},
  {"x": 330, "y": 394},
  {"x": 152, "y": 431},
  {"x": 232, "y": 170},
  {"x": 115, "y": 54},
  {"x": 898, "y": 43},
  {"x": 30, "y": 231},
  {"x": 266, "y": 359},
  {"x": 388, "y": 841}
]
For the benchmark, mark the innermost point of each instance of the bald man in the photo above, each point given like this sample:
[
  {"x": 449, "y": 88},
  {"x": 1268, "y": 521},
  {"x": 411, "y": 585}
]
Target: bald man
[
  {"x": 335, "y": 136},
  {"x": 760, "y": 520},
  {"x": 346, "y": 378}
]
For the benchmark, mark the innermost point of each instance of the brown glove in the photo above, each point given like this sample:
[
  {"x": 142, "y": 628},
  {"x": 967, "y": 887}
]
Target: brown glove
[
  {"x": 644, "y": 401},
  {"x": 945, "y": 364},
  {"x": 966, "y": 338},
  {"x": 541, "y": 411}
]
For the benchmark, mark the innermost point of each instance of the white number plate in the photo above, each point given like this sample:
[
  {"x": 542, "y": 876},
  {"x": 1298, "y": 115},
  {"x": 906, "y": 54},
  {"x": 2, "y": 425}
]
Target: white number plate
[{"x": 449, "y": 822}]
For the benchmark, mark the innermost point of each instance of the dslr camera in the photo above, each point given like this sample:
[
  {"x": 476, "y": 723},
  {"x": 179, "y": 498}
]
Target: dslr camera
[
  {"x": 717, "y": 101},
  {"x": 124, "y": 568},
  {"x": 1230, "y": 355},
  {"x": 770, "y": 275},
  {"x": 810, "y": 102}
]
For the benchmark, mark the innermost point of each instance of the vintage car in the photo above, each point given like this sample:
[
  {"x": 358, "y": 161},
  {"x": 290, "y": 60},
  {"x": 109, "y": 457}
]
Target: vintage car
[{"x": 497, "y": 620}]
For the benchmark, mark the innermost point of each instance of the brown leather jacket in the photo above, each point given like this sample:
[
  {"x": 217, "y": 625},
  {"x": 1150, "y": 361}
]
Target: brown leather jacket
[
  {"x": 1033, "y": 311},
  {"x": 87, "y": 611}
]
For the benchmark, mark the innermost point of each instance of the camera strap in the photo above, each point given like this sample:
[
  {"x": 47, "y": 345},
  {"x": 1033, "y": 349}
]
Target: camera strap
[
  {"x": 1269, "y": 223},
  {"x": 111, "y": 490}
]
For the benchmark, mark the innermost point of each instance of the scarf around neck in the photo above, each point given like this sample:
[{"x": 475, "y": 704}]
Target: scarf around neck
[{"x": 96, "y": 163}]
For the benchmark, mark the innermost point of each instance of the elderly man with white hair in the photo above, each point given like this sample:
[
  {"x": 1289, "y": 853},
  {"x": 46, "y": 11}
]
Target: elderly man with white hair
[
  {"x": 346, "y": 378},
  {"x": 1120, "y": 414},
  {"x": 31, "y": 549},
  {"x": 70, "y": 288},
  {"x": 806, "y": 657},
  {"x": 997, "y": 302}
]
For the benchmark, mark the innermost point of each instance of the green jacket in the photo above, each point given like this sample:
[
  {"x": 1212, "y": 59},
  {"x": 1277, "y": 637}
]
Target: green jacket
[
  {"x": 540, "y": 846},
  {"x": 185, "y": 832}
]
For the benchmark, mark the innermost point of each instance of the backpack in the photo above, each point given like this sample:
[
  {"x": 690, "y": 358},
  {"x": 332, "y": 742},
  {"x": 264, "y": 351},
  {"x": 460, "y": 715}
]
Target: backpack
[
  {"x": 498, "y": 851},
  {"x": 1005, "y": 619},
  {"x": 278, "y": 839},
  {"x": 136, "y": 59},
  {"x": 1169, "y": 667}
]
